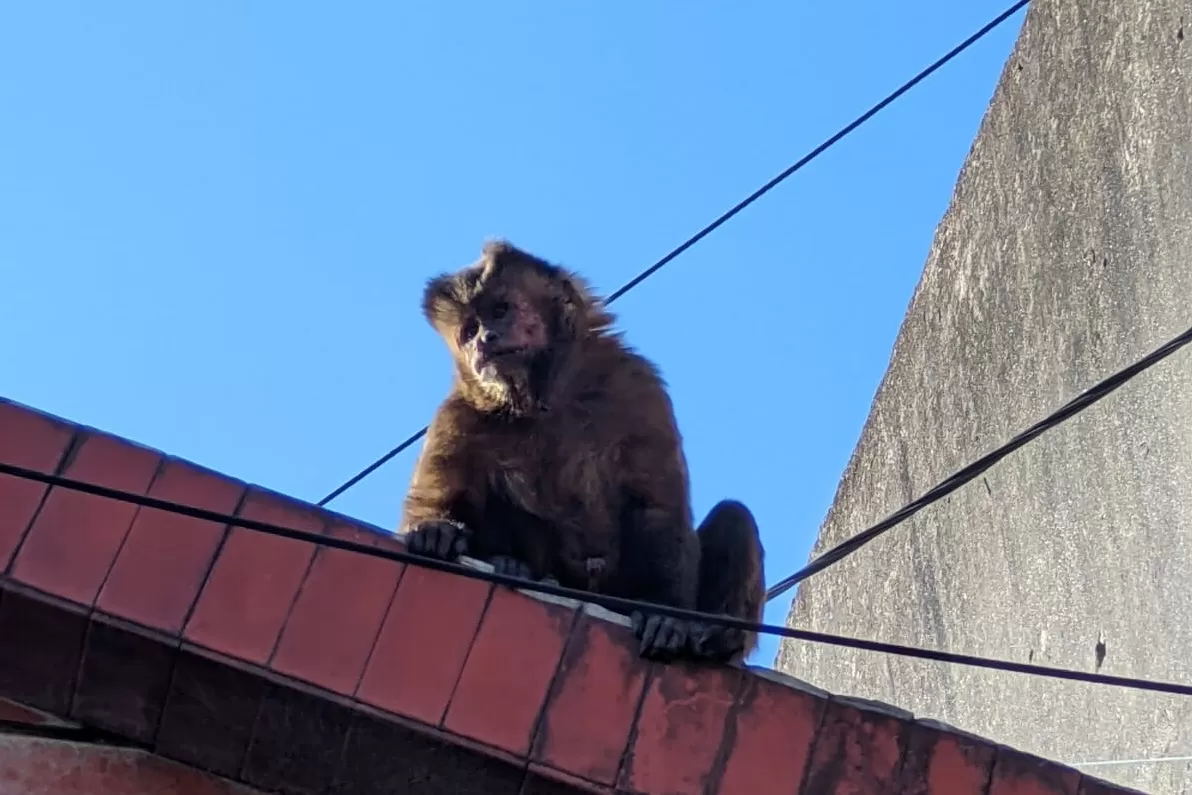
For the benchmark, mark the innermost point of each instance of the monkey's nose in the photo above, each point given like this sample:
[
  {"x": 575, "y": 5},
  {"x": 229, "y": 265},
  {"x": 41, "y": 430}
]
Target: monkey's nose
[{"x": 486, "y": 342}]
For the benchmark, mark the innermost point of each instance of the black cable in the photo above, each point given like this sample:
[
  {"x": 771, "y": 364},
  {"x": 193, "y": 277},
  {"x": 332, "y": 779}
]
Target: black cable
[
  {"x": 373, "y": 467},
  {"x": 1070, "y": 409},
  {"x": 814, "y": 153},
  {"x": 750, "y": 199},
  {"x": 616, "y": 604}
]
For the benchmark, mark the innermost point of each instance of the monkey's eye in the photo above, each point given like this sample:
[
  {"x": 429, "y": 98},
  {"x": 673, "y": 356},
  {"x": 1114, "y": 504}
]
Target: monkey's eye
[
  {"x": 500, "y": 308},
  {"x": 469, "y": 329}
]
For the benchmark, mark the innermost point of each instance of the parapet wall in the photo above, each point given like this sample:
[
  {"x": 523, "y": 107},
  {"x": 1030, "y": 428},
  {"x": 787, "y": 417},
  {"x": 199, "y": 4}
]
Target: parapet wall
[{"x": 1065, "y": 255}]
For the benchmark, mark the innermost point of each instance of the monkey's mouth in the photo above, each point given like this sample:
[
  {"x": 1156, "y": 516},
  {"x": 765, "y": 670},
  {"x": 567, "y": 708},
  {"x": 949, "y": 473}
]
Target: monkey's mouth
[{"x": 488, "y": 365}]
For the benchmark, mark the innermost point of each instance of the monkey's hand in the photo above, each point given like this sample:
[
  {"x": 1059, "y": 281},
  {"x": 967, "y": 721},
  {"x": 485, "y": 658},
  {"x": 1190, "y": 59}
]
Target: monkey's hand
[
  {"x": 660, "y": 637},
  {"x": 439, "y": 538},
  {"x": 511, "y": 567}
]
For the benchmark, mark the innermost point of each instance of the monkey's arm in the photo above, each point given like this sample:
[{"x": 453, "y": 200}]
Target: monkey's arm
[
  {"x": 449, "y": 509},
  {"x": 442, "y": 502},
  {"x": 438, "y": 487},
  {"x": 660, "y": 554}
]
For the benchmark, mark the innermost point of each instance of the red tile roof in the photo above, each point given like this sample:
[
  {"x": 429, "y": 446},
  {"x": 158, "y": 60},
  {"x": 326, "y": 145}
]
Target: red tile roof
[{"x": 315, "y": 670}]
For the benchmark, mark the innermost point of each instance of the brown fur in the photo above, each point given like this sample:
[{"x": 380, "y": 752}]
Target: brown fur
[{"x": 562, "y": 459}]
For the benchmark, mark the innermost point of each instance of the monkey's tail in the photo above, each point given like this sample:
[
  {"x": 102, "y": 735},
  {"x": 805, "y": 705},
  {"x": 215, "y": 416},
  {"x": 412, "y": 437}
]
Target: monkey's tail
[{"x": 731, "y": 577}]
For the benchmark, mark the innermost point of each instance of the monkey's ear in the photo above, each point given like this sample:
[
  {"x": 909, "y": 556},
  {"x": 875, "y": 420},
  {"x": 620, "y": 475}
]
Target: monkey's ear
[
  {"x": 583, "y": 311},
  {"x": 574, "y": 302},
  {"x": 439, "y": 301}
]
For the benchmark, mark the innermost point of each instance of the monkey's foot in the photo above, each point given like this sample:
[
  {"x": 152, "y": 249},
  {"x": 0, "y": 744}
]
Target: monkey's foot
[
  {"x": 716, "y": 643},
  {"x": 511, "y": 567},
  {"x": 660, "y": 637},
  {"x": 438, "y": 538}
]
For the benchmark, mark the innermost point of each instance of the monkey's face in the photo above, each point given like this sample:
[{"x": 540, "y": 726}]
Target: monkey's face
[
  {"x": 509, "y": 320},
  {"x": 500, "y": 333}
]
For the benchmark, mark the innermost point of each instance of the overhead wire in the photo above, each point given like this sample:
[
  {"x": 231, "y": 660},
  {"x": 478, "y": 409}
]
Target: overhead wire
[
  {"x": 741, "y": 205},
  {"x": 613, "y": 603},
  {"x": 968, "y": 473},
  {"x": 1150, "y": 760},
  {"x": 617, "y": 604}
]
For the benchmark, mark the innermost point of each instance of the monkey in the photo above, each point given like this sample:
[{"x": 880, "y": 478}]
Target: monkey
[{"x": 556, "y": 456}]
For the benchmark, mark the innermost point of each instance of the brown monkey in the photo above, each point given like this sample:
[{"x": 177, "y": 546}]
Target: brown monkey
[{"x": 557, "y": 455}]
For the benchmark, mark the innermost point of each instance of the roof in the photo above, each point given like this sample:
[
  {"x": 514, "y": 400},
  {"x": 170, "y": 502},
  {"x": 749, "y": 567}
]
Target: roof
[
  {"x": 294, "y": 669},
  {"x": 35, "y": 762}
]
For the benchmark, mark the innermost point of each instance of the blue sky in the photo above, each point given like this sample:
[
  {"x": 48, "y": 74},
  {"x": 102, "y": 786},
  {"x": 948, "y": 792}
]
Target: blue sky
[{"x": 216, "y": 218}]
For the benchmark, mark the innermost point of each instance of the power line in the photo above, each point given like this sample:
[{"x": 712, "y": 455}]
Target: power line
[
  {"x": 1144, "y": 761},
  {"x": 616, "y": 604},
  {"x": 1069, "y": 410},
  {"x": 373, "y": 467},
  {"x": 750, "y": 199}
]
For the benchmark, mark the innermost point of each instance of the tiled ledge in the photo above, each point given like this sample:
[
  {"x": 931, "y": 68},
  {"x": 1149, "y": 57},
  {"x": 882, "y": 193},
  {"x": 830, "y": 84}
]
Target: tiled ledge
[{"x": 296, "y": 669}]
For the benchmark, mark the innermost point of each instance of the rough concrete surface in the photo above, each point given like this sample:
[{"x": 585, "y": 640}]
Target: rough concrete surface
[{"x": 1065, "y": 255}]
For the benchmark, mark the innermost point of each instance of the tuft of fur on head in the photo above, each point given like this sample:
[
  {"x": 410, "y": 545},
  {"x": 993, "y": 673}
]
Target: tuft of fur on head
[
  {"x": 576, "y": 315},
  {"x": 446, "y": 295}
]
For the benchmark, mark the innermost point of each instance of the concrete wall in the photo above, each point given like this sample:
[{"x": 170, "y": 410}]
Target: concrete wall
[{"x": 1065, "y": 255}]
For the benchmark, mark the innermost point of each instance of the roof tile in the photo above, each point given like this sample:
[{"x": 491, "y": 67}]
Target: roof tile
[
  {"x": 601, "y": 679},
  {"x": 31, "y": 440},
  {"x": 41, "y": 642},
  {"x": 680, "y": 729},
  {"x": 384, "y": 757},
  {"x": 509, "y": 671},
  {"x": 210, "y": 713},
  {"x": 298, "y": 741},
  {"x": 771, "y": 721},
  {"x": 944, "y": 763},
  {"x": 123, "y": 679},
  {"x": 254, "y": 581},
  {"x": 1018, "y": 773},
  {"x": 75, "y": 537},
  {"x": 423, "y": 643},
  {"x": 166, "y": 556},
  {"x": 856, "y": 750},
  {"x": 331, "y": 630}
]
